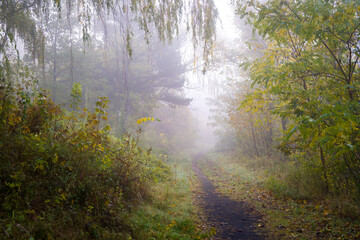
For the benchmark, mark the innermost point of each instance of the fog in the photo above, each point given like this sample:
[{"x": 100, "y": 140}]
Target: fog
[
  {"x": 118, "y": 116},
  {"x": 146, "y": 68},
  {"x": 204, "y": 89}
]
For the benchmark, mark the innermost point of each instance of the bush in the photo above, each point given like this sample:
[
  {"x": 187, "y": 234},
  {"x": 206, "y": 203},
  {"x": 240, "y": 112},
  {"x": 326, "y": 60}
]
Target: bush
[
  {"x": 63, "y": 176},
  {"x": 298, "y": 182}
]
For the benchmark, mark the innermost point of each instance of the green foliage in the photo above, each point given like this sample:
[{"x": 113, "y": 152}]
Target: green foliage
[
  {"x": 170, "y": 216},
  {"x": 163, "y": 16},
  {"x": 76, "y": 93},
  {"x": 112, "y": 67},
  {"x": 62, "y": 176},
  {"x": 288, "y": 211},
  {"x": 311, "y": 70}
]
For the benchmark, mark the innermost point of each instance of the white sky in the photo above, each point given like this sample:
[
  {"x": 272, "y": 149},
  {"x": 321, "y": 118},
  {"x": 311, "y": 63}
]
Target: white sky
[{"x": 226, "y": 28}]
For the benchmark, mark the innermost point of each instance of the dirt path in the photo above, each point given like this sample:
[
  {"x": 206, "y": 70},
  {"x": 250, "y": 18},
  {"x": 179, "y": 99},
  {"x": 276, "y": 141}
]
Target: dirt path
[{"x": 231, "y": 219}]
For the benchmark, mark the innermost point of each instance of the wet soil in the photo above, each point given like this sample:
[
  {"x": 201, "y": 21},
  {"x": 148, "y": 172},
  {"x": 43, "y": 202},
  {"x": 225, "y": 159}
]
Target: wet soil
[{"x": 231, "y": 219}]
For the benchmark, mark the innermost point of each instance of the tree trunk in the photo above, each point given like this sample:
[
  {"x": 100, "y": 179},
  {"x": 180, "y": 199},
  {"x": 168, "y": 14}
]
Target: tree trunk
[
  {"x": 54, "y": 60},
  {"x": 117, "y": 83},
  {"x": 126, "y": 62},
  {"x": 254, "y": 139},
  {"x": 2, "y": 45},
  {"x": 323, "y": 162},
  {"x": 71, "y": 74}
]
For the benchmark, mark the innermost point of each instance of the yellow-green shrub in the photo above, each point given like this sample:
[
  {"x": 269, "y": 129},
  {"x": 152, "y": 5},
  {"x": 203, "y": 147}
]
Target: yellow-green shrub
[{"x": 62, "y": 176}]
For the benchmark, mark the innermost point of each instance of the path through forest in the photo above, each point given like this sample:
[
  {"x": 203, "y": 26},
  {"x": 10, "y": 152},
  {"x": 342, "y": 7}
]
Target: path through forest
[{"x": 231, "y": 219}]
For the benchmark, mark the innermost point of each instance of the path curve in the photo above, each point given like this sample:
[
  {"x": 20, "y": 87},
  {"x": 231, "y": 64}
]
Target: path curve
[{"x": 231, "y": 219}]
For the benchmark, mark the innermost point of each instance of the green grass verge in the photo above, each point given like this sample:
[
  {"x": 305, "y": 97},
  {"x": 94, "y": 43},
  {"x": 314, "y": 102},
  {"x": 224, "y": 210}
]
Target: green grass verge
[
  {"x": 172, "y": 213},
  {"x": 283, "y": 217}
]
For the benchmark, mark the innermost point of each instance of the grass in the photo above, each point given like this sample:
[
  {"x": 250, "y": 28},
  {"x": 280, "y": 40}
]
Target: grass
[
  {"x": 172, "y": 213},
  {"x": 283, "y": 217},
  {"x": 64, "y": 177}
]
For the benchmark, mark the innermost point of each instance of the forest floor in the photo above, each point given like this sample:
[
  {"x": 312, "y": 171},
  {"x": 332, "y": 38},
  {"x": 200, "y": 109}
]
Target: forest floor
[
  {"x": 236, "y": 202},
  {"x": 230, "y": 219}
]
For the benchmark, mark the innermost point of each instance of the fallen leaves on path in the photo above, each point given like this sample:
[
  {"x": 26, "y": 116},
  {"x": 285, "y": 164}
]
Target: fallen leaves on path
[{"x": 284, "y": 218}]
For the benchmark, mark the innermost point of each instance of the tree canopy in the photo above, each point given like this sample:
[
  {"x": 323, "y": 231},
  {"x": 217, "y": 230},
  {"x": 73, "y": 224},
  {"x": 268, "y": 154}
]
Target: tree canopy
[{"x": 310, "y": 70}]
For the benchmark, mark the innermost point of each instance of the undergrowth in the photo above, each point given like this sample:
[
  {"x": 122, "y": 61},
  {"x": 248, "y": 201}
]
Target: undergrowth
[
  {"x": 287, "y": 214},
  {"x": 287, "y": 178},
  {"x": 62, "y": 176}
]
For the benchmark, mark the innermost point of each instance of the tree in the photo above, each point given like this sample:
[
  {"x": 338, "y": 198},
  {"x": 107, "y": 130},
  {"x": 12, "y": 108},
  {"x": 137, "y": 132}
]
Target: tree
[
  {"x": 311, "y": 67},
  {"x": 19, "y": 18},
  {"x": 111, "y": 28}
]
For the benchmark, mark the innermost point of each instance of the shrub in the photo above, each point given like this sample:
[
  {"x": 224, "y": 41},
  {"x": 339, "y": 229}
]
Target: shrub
[{"x": 63, "y": 176}]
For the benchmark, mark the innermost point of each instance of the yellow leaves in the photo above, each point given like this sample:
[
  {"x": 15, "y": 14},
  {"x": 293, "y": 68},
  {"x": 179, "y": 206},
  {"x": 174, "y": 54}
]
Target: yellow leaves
[
  {"x": 59, "y": 198},
  {"x": 326, "y": 212},
  {"x": 100, "y": 148},
  {"x": 25, "y": 130},
  {"x": 107, "y": 127},
  {"x": 90, "y": 208},
  {"x": 16, "y": 175},
  {"x": 55, "y": 159},
  {"x": 95, "y": 147},
  {"x": 172, "y": 223},
  {"x": 13, "y": 185},
  {"x": 39, "y": 164},
  {"x": 13, "y": 119},
  {"x": 255, "y": 110},
  {"x": 106, "y": 162},
  {"x": 62, "y": 196},
  {"x": 144, "y": 119}
]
